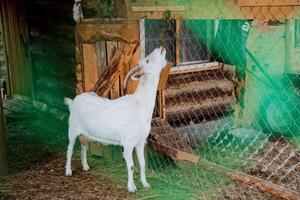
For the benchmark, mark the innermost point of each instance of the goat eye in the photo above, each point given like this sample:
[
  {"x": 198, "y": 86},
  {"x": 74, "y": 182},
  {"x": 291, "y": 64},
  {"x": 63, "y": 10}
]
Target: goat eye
[{"x": 147, "y": 61}]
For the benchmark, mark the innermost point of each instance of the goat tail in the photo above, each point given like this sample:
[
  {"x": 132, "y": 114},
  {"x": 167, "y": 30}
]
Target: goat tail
[{"x": 68, "y": 101}]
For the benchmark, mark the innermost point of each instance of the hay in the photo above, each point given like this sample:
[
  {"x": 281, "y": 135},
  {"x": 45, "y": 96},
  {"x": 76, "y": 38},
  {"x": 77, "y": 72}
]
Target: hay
[{"x": 47, "y": 181}]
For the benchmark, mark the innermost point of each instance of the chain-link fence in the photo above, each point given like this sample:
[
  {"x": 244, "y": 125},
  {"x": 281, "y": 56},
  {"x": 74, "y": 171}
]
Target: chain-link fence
[{"x": 232, "y": 98}]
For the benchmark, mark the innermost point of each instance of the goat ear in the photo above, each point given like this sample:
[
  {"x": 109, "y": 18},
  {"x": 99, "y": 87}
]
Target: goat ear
[{"x": 137, "y": 74}]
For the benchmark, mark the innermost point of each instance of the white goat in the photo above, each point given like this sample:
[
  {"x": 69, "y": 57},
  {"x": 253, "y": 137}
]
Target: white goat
[{"x": 125, "y": 121}]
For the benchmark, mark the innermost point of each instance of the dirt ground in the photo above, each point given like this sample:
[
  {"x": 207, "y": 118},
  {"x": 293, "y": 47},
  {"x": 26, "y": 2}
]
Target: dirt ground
[
  {"x": 36, "y": 154},
  {"x": 37, "y": 168},
  {"x": 47, "y": 181}
]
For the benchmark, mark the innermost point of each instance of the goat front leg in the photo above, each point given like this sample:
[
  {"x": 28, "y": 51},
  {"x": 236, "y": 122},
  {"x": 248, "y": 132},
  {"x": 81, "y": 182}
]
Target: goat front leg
[
  {"x": 127, "y": 154},
  {"x": 141, "y": 157},
  {"x": 69, "y": 156}
]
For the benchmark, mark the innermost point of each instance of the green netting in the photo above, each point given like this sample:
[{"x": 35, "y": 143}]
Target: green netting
[{"x": 242, "y": 116}]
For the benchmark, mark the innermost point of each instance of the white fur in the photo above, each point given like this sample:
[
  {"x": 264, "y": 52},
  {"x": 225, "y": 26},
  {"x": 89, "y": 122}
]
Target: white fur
[{"x": 124, "y": 121}]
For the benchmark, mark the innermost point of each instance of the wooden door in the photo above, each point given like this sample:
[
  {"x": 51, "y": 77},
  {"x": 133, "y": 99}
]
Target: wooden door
[{"x": 16, "y": 42}]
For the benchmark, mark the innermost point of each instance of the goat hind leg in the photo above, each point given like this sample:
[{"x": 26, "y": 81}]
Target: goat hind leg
[
  {"x": 141, "y": 157},
  {"x": 85, "y": 165},
  {"x": 127, "y": 154}
]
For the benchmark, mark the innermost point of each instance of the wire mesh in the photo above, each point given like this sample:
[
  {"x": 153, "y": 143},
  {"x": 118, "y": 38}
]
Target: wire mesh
[{"x": 232, "y": 98}]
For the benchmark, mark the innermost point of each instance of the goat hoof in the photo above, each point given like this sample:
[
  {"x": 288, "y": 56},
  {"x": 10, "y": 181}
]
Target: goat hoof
[
  {"x": 131, "y": 188},
  {"x": 86, "y": 168},
  {"x": 68, "y": 172},
  {"x": 146, "y": 185}
]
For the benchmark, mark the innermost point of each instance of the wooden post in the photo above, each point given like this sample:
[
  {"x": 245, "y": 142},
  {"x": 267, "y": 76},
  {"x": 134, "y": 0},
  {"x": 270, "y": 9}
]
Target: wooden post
[
  {"x": 3, "y": 157},
  {"x": 121, "y": 8}
]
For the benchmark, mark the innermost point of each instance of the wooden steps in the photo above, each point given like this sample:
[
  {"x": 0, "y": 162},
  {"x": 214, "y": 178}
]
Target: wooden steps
[{"x": 199, "y": 96}]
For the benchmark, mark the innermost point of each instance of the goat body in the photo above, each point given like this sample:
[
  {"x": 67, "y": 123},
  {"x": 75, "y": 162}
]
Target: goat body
[{"x": 125, "y": 121}]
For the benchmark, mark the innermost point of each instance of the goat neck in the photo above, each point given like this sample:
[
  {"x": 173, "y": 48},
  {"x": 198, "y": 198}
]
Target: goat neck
[{"x": 146, "y": 91}]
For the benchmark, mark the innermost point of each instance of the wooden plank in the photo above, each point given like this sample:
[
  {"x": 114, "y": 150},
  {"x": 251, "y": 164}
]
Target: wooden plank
[
  {"x": 90, "y": 31},
  {"x": 115, "y": 91},
  {"x": 79, "y": 72},
  {"x": 111, "y": 50},
  {"x": 101, "y": 54},
  {"x": 158, "y": 8},
  {"x": 196, "y": 68},
  {"x": 3, "y": 150},
  {"x": 20, "y": 79},
  {"x": 164, "y": 74},
  {"x": 108, "y": 151},
  {"x": 268, "y": 3},
  {"x": 188, "y": 157},
  {"x": 90, "y": 66},
  {"x": 96, "y": 149},
  {"x": 159, "y": 103},
  {"x": 118, "y": 153},
  {"x": 177, "y": 42},
  {"x": 163, "y": 100}
]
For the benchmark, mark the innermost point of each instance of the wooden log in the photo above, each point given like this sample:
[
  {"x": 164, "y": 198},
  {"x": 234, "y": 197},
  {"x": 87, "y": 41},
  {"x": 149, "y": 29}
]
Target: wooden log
[
  {"x": 246, "y": 179},
  {"x": 3, "y": 150},
  {"x": 54, "y": 85},
  {"x": 253, "y": 3},
  {"x": 37, "y": 49},
  {"x": 110, "y": 30},
  {"x": 235, "y": 175}
]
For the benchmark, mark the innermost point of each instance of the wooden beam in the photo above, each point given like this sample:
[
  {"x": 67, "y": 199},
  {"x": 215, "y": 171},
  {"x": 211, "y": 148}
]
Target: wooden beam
[
  {"x": 196, "y": 68},
  {"x": 246, "y": 179},
  {"x": 235, "y": 175},
  {"x": 164, "y": 75},
  {"x": 3, "y": 156},
  {"x": 253, "y": 3},
  {"x": 121, "y": 8},
  {"x": 163, "y": 8},
  {"x": 92, "y": 30}
]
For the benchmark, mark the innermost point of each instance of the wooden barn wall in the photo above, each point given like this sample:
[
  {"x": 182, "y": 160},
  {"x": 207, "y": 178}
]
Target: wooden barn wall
[
  {"x": 52, "y": 49},
  {"x": 3, "y": 70},
  {"x": 16, "y": 42}
]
